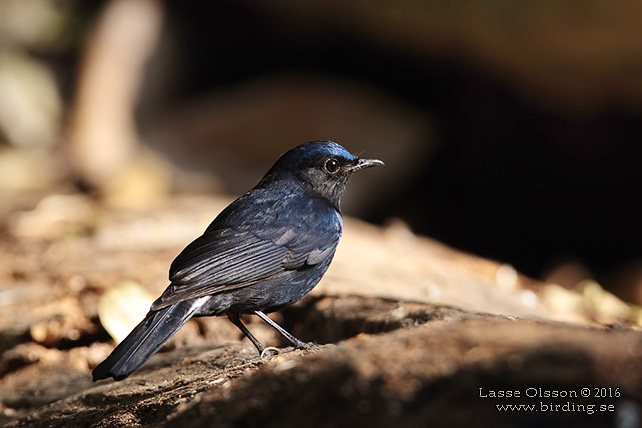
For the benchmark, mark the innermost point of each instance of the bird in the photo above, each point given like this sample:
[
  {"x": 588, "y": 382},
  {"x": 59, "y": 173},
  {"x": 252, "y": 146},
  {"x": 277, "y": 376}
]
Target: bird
[{"x": 264, "y": 252}]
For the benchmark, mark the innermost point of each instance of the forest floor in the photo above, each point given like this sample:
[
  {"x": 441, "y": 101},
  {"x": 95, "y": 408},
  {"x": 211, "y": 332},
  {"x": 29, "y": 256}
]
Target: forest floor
[{"x": 410, "y": 333}]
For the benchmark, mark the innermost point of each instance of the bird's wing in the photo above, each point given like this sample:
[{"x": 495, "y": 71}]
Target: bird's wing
[{"x": 225, "y": 259}]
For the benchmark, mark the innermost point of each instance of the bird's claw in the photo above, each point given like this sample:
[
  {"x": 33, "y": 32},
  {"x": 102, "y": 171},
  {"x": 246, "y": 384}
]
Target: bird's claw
[
  {"x": 306, "y": 345},
  {"x": 270, "y": 351}
]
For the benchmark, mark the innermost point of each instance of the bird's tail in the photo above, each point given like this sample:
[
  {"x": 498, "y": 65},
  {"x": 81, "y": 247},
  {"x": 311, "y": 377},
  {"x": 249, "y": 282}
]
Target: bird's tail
[{"x": 146, "y": 339}]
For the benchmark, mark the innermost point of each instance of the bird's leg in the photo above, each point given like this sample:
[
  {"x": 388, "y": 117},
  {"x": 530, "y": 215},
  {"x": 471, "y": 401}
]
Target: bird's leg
[
  {"x": 234, "y": 318},
  {"x": 296, "y": 342}
]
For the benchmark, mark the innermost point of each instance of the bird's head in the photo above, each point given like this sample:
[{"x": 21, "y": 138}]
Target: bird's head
[{"x": 320, "y": 167}]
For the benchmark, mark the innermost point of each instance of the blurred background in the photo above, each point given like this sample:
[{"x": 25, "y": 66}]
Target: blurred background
[{"x": 509, "y": 129}]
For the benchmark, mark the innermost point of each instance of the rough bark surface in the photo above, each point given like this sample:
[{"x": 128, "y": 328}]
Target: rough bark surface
[{"x": 412, "y": 333}]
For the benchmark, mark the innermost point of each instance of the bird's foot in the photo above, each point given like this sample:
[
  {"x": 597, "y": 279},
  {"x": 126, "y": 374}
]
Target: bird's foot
[
  {"x": 305, "y": 345},
  {"x": 270, "y": 351}
]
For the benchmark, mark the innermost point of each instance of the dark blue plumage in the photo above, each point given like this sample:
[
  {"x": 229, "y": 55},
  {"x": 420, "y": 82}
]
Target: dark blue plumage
[{"x": 264, "y": 252}]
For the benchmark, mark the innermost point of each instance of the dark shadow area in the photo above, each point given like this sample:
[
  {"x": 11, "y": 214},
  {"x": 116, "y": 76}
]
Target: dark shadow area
[{"x": 514, "y": 180}]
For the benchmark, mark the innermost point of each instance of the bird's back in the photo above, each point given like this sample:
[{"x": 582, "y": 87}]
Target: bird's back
[{"x": 267, "y": 248}]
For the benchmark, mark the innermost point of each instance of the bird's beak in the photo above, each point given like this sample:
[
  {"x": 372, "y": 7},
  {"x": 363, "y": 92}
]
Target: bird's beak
[{"x": 366, "y": 163}]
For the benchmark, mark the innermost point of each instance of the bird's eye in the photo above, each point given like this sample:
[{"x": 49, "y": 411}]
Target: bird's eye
[{"x": 332, "y": 165}]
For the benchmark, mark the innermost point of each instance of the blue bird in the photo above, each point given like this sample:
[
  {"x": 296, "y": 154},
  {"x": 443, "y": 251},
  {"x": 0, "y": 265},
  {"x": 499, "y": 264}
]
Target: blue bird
[{"x": 261, "y": 254}]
